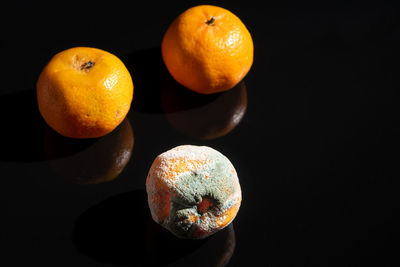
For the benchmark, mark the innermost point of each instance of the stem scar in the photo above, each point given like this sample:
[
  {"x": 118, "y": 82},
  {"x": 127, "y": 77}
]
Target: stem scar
[
  {"x": 211, "y": 21},
  {"x": 87, "y": 65}
]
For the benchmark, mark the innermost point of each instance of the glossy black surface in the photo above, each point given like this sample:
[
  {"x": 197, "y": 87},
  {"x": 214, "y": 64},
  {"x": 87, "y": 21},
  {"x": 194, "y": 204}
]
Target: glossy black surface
[{"x": 313, "y": 131}]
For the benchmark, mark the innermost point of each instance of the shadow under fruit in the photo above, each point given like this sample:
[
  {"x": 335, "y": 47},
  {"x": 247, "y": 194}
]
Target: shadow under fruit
[{"x": 120, "y": 231}]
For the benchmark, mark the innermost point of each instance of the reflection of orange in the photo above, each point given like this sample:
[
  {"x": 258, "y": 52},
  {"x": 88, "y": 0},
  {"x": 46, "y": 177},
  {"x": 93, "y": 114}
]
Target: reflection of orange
[
  {"x": 207, "y": 49},
  {"x": 84, "y": 92},
  {"x": 203, "y": 116},
  {"x": 193, "y": 191},
  {"x": 90, "y": 161}
]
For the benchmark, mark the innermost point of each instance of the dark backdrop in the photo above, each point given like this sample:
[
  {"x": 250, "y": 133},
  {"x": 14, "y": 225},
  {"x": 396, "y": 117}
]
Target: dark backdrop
[{"x": 313, "y": 132}]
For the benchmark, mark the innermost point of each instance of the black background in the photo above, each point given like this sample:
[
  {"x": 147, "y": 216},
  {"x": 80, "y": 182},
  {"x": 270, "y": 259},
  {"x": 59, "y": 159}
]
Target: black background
[{"x": 317, "y": 149}]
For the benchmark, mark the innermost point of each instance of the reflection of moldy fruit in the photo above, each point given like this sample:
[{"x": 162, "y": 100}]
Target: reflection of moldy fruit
[
  {"x": 84, "y": 92},
  {"x": 193, "y": 191},
  {"x": 164, "y": 248},
  {"x": 90, "y": 161}
]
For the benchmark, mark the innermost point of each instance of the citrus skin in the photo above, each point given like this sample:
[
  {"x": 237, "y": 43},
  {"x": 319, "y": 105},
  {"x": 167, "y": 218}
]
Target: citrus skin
[
  {"x": 193, "y": 191},
  {"x": 207, "y": 49},
  {"x": 84, "y": 92}
]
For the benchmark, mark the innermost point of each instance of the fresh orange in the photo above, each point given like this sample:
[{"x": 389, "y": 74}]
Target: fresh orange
[
  {"x": 193, "y": 191},
  {"x": 207, "y": 49},
  {"x": 84, "y": 92}
]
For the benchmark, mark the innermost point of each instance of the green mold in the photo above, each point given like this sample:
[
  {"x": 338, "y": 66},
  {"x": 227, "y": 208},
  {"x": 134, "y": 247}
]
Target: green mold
[{"x": 192, "y": 188}]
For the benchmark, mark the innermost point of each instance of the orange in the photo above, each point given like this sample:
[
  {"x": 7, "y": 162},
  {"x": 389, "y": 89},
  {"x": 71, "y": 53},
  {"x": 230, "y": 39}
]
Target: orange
[
  {"x": 193, "y": 191},
  {"x": 84, "y": 92},
  {"x": 207, "y": 49}
]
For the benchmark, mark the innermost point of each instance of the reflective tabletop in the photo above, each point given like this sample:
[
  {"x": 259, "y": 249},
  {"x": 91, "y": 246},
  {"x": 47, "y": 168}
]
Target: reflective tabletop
[{"x": 312, "y": 130}]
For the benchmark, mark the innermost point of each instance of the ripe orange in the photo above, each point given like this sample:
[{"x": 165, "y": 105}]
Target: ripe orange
[
  {"x": 207, "y": 49},
  {"x": 84, "y": 92},
  {"x": 193, "y": 191}
]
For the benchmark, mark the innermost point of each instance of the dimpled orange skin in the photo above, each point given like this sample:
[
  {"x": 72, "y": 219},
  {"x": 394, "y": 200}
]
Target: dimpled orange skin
[
  {"x": 84, "y": 92},
  {"x": 207, "y": 49}
]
